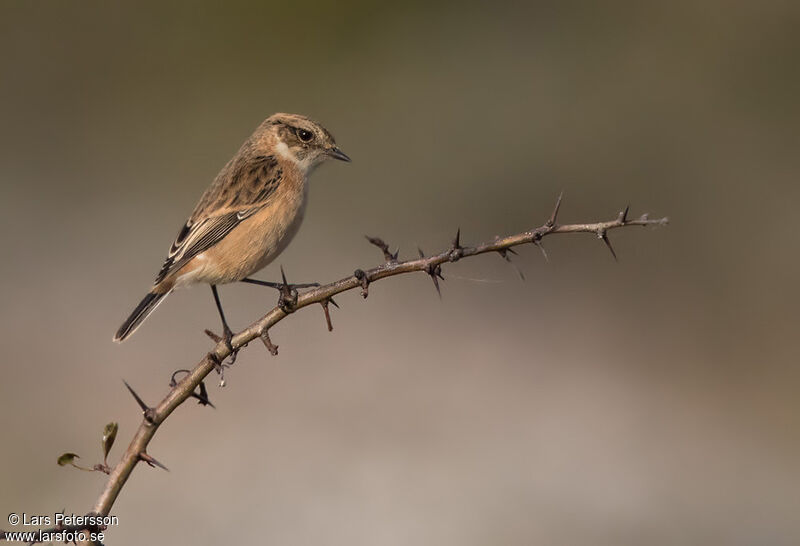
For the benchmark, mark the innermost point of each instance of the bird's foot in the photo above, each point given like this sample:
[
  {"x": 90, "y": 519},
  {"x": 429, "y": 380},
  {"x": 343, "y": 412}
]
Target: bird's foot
[
  {"x": 287, "y": 300},
  {"x": 227, "y": 338}
]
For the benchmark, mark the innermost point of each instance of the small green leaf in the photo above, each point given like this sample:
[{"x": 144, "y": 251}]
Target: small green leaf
[
  {"x": 109, "y": 435},
  {"x": 67, "y": 458}
]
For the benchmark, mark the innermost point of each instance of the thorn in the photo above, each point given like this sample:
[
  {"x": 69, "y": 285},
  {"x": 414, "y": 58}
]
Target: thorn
[
  {"x": 324, "y": 304},
  {"x": 138, "y": 399},
  {"x": 436, "y": 281},
  {"x": 387, "y": 255},
  {"x": 456, "y": 250},
  {"x": 283, "y": 277},
  {"x": 151, "y": 461},
  {"x": 551, "y": 222},
  {"x": 333, "y": 302},
  {"x": 538, "y": 242},
  {"x": 214, "y": 337},
  {"x": 272, "y": 348},
  {"x": 623, "y": 216},
  {"x": 434, "y": 271},
  {"x": 149, "y": 413},
  {"x": 604, "y": 236},
  {"x": 202, "y": 396},
  {"x": 361, "y": 276},
  {"x": 504, "y": 252}
]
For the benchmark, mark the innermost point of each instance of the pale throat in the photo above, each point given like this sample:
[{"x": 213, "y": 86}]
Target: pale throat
[{"x": 305, "y": 165}]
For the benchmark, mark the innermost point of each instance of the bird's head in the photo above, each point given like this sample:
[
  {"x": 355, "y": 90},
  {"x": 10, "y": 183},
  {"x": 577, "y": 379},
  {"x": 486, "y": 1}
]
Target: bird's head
[{"x": 301, "y": 140}]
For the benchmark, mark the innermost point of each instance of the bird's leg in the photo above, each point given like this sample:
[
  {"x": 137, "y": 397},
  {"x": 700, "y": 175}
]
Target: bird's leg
[
  {"x": 288, "y": 292},
  {"x": 227, "y": 334}
]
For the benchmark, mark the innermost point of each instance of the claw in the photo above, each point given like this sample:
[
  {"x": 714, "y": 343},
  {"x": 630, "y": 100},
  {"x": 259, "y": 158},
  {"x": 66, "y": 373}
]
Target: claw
[
  {"x": 288, "y": 299},
  {"x": 364, "y": 281},
  {"x": 228, "y": 338}
]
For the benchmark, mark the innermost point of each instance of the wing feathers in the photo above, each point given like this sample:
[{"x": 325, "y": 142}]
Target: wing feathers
[{"x": 238, "y": 193}]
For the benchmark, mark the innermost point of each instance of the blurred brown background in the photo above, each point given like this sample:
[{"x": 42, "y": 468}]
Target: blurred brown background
[{"x": 652, "y": 401}]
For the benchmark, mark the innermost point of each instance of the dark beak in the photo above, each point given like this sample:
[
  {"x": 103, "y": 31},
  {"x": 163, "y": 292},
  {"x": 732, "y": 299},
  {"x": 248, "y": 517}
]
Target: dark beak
[{"x": 336, "y": 153}]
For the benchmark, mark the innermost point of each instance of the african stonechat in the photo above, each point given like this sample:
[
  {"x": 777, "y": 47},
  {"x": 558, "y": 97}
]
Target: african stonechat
[{"x": 247, "y": 216}]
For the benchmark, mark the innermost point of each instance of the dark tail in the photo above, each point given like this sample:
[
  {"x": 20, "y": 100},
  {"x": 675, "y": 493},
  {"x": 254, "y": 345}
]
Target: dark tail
[{"x": 142, "y": 311}]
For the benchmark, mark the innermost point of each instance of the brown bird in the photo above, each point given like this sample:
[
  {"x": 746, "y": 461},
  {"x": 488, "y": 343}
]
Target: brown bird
[{"x": 247, "y": 216}]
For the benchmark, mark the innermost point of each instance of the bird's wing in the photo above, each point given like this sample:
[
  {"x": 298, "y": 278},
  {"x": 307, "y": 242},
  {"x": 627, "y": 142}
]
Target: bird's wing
[{"x": 236, "y": 195}]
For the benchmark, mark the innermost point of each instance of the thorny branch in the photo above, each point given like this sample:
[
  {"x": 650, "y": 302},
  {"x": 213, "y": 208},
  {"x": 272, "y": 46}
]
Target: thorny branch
[{"x": 192, "y": 380}]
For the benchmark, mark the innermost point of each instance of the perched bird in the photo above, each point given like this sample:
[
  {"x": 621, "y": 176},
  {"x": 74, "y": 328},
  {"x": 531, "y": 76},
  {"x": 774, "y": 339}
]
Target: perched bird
[{"x": 247, "y": 216}]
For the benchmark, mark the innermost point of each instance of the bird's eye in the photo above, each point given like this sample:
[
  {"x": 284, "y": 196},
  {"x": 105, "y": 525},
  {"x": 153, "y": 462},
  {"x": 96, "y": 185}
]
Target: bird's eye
[{"x": 304, "y": 135}]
